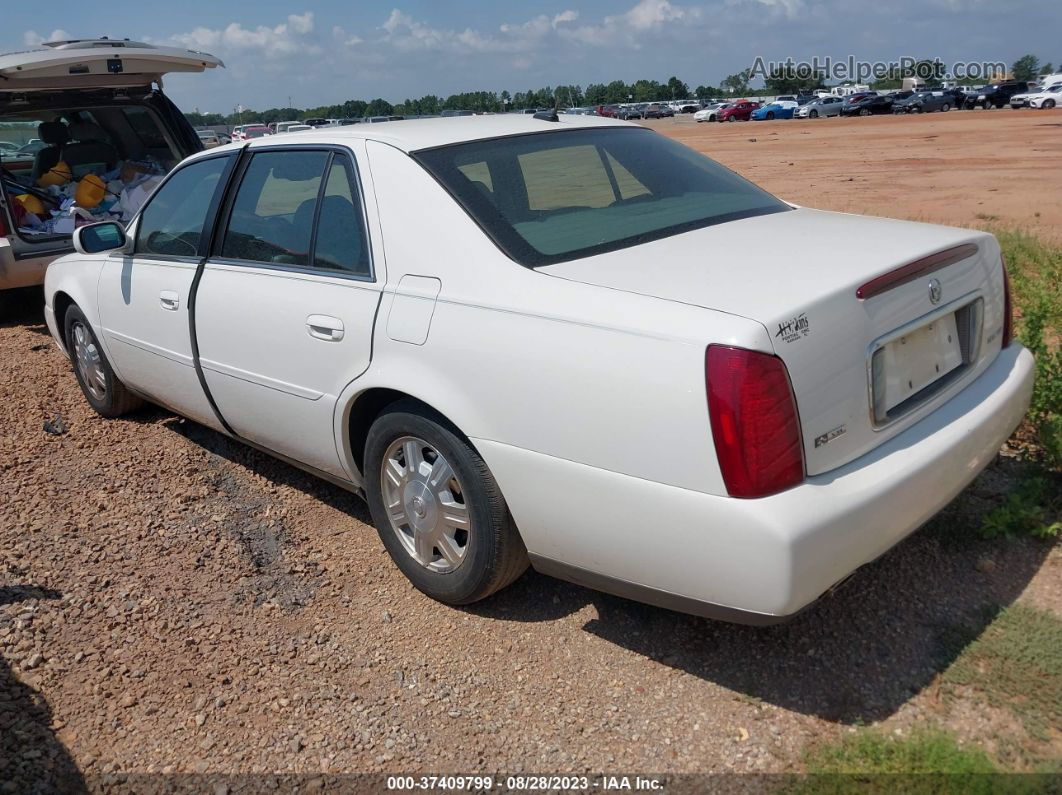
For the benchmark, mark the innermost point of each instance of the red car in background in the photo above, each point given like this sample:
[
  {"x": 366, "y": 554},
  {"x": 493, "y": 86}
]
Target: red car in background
[{"x": 740, "y": 111}]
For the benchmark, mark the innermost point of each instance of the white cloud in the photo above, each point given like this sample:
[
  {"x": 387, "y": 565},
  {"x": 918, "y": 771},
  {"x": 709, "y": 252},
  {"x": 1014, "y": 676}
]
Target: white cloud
[
  {"x": 32, "y": 38},
  {"x": 287, "y": 38},
  {"x": 408, "y": 34},
  {"x": 565, "y": 16},
  {"x": 342, "y": 36},
  {"x": 644, "y": 17}
]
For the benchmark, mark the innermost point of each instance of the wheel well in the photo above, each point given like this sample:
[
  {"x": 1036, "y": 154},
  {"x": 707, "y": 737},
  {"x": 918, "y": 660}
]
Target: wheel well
[
  {"x": 369, "y": 405},
  {"x": 60, "y": 304}
]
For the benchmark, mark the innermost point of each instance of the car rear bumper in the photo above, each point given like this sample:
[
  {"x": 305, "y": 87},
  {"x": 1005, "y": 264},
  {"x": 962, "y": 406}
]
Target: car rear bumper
[
  {"x": 27, "y": 272},
  {"x": 756, "y": 561}
]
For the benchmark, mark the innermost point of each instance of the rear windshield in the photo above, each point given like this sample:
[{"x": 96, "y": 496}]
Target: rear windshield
[{"x": 551, "y": 197}]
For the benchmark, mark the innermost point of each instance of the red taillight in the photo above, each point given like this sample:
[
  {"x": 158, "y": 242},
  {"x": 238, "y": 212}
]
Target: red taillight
[
  {"x": 1008, "y": 307},
  {"x": 754, "y": 421}
]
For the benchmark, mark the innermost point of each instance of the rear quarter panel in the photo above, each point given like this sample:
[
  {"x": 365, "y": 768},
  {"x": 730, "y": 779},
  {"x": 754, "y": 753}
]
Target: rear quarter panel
[{"x": 601, "y": 377}]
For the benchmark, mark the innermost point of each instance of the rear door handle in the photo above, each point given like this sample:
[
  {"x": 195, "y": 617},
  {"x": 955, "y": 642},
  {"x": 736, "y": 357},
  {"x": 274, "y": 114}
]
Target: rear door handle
[
  {"x": 169, "y": 300},
  {"x": 325, "y": 327}
]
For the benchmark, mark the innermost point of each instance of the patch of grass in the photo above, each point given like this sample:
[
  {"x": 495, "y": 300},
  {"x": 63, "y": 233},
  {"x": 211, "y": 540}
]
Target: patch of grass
[
  {"x": 870, "y": 752},
  {"x": 1016, "y": 664},
  {"x": 1028, "y": 510},
  {"x": 1036, "y": 276}
]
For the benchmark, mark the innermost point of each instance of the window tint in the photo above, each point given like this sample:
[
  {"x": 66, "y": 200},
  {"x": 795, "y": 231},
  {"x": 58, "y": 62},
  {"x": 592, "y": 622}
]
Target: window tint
[
  {"x": 340, "y": 243},
  {"x": 562, "y": 195},
  {"x": 272, "y": 215},
  {"x": 172, "y": 222}
]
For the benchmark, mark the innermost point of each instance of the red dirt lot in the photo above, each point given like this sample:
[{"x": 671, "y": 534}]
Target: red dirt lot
[
  {"x": 966, "y": 168},
  {"x": 172, "y": 601}
]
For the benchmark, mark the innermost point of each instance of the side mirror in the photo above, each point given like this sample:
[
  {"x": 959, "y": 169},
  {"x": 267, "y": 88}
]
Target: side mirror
[{"x": 97, "y": 238}]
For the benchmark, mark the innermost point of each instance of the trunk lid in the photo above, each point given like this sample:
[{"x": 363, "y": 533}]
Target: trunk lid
[
  {"x": 96, "y": 63},
  {"x": 862, "y": 369}
]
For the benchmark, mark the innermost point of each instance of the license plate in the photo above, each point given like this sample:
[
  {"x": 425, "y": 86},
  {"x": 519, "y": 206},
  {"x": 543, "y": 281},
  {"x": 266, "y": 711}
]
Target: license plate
[{"x": 908, "y": 364}]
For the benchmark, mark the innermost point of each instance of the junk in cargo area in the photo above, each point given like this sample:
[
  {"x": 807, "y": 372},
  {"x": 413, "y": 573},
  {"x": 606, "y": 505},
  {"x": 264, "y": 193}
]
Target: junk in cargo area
[{"x": 61, "y": 202}]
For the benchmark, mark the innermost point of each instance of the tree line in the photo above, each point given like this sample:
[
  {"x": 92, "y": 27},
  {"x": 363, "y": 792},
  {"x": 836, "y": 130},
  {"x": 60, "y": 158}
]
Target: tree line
[{"x": 780, "y": 81}]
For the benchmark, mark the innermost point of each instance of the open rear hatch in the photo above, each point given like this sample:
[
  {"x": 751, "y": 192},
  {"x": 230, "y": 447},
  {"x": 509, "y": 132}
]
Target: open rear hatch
[
  {"x": 878, "y": 321},
  {"x": 96, "y": 63},
  {"x": 91, "y": 80}
]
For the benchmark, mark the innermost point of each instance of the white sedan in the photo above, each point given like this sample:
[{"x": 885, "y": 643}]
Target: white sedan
[
  {"x": 525, "y": 339},
  {"x": 1046, "y": 99},
  {"x": 711, "y": 112}
]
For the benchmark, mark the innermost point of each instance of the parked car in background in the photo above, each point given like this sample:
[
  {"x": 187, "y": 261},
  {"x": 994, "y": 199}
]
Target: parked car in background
[
  {"x": 298, "y": 128},
  {"x": 685, "y": 106},
  {"x": 629, "y": 112},
  {"x": 608, "y": 111},
  {"x": 782, "y": 424},
  {"x": 1023, "y": 100},
  {"x": 776, "y": 110},
  {"x": 657, "y": 110},
  {"x": 247, "y": 132},
  {"x": 316, "y": 121},
  {"x": 867, "y": 105},
  {"x": 997, "y": 95},
  {"x": 819, "y": 107},
  {"x": 1048, "y": 98},
  {"x": 209, "y": 138},
  {"x": 923, "y": 102},
  {"x": 739, "y": 111},
  {"x": 82, "y": 117},
  {"x": 786, "y": 98},
  {"x": 282, "y": 126},
  {"x": 711, "y": 112}
]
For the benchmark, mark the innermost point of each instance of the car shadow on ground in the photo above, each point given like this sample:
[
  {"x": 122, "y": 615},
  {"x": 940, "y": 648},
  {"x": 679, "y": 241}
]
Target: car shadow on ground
[
  {"x": 23, "y": 307},
  {"x": 32, "y": 758},
  {"x": 856, "y": 656}
]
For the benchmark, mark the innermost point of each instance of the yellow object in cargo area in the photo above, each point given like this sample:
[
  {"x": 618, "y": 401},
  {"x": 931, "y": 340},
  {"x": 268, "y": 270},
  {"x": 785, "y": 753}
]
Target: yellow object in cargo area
[
  {"x": 90, "y": 191},
  {"x": 59, "y": 174},
  {"x": 31, "y": 204}
]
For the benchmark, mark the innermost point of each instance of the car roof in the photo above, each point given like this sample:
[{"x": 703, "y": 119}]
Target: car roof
[{"x": 412, "y": 135}]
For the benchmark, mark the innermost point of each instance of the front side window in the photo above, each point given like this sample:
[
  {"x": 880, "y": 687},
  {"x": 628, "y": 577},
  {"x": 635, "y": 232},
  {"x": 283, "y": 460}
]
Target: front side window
[
  {"x": 551, "y": 197},
  {"x": 272, "y": 217},
  {"x": 300, "y": 208},
  {"x": 173, "y": 221}
]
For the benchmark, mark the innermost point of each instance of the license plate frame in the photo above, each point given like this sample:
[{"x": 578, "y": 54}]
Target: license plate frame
[{"x": 912, "y": 364}]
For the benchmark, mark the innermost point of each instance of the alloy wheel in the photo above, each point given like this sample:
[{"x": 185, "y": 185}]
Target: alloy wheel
[
  {"x": 89, "y": 362},
  {"x": 425, "y": 504}
]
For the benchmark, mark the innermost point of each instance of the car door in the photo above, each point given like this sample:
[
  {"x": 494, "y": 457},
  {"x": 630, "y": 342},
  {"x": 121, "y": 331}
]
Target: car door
[
  {"x": 286, "y": 303},
  {"x": 143, "y": 296}
]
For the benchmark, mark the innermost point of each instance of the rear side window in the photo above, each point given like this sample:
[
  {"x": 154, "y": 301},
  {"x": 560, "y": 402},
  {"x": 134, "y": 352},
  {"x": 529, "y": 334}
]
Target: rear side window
[
  {"x": 173, "y": 221},
  {"x": 556, "y": 196},
  {"x": 299, "y": 208}
]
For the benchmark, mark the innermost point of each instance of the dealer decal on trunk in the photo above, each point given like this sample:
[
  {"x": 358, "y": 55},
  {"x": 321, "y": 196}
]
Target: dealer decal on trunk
[{"x": 794, "y": 329}]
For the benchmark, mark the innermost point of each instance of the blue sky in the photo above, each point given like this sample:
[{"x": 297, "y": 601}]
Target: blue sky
[{"x": 326, "y": 52}]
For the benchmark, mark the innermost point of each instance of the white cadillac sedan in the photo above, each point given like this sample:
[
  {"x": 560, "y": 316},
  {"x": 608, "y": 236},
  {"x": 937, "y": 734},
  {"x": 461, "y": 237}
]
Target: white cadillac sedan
[{"x": 526, "y": 340}]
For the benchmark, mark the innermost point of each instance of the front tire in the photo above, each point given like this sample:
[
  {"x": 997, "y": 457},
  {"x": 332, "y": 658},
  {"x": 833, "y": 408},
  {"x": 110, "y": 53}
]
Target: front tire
[
  {"x": 814, "y": 114},
  {"x": 438, "y": 510},
  {"x": 945, "y": 108},
  {"x": 1048, "y": 103},
  {"x": 99, "y": 384}
]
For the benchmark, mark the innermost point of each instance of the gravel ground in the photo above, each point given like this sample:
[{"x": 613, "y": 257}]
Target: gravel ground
[{"x": 171, "y": 601}]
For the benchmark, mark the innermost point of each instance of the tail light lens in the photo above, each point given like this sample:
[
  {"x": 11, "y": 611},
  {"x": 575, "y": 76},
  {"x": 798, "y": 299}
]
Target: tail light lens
[
  {"x": 754, "y": 421},
  {"x": 1008, "y": 307}
]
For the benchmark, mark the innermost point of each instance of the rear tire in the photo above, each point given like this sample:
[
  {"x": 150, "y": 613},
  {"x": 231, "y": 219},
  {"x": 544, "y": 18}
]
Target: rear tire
[
  {"x": 438, "y": 510},
  {"x": 99, "y": 384}
]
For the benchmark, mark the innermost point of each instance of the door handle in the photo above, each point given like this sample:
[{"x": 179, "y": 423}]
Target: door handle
[
  {"x": 169, "y": 300},
  {"x": 324, "y": 327}
]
